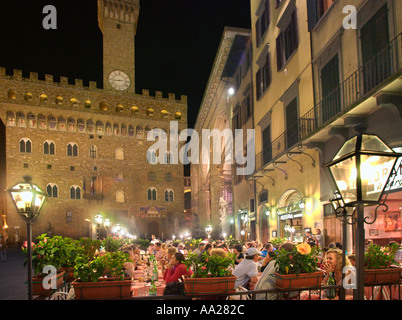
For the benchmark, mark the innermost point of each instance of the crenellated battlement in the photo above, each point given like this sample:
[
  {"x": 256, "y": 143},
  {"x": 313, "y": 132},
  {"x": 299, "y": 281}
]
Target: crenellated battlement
[
  {"x": 61, "y": 94},
  {"x": 49, "y": 79}
]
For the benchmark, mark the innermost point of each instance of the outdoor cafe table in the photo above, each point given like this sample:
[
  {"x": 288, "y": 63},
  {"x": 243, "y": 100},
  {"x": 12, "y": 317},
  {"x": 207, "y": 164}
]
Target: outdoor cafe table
[{"x": 141, "y": 288}]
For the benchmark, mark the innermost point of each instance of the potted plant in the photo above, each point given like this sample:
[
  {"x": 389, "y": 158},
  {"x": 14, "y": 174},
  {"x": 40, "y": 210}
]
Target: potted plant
[
  {"x": 102, "y": 277},
  {"x": 380, "y": 266},
  {"x": 71, "y": 247},
  {"x": 48, "y": 251},
  {"x": 211, "y": 274},
  {"x": 298, "y": 268}
]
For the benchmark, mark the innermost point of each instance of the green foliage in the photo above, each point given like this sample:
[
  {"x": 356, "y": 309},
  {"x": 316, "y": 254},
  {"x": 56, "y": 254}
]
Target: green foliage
[
  {"x": 55, "y": 251},
  {"x": 297, "y": 261},
  {"x": 230, "y": 241},
  {"x": 108, "y": 264},
  {"x": 278, "y": 241},
  {"x": 144, "y": 243},
  {"x": 192, "y": 242},
  {"x": 377, "y": 257},
  {"x": 215, "y": 266},
  {"x": 112, "y": 244},
  {"x": 87, "y": 247}
]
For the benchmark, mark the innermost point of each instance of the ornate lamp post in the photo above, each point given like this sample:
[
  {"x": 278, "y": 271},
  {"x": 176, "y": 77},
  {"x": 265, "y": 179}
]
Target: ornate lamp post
[
  {"x": 98, "y": 219},
  {"x": 106, "y": 225},
  {"x": 28, "y": 200},
  {"x": 208, "y": 230},
  {"x": 361, "y": 170}
]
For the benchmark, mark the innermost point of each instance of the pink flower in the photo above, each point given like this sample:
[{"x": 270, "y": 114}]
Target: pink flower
[{"x": 203, "y": 268}]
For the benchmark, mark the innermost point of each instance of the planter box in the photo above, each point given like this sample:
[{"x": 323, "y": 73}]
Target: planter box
[
  {"x": 37, "y": 285},
  {"x": 102, "y": 289},
  {"x": 303, "y": 280},
  {"x": 69, "y": 275},
  {"x": 209, "y": 286},
  {"x": 380, "y": 276}
]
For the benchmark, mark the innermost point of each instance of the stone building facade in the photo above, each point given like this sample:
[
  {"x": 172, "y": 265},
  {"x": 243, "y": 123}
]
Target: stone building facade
[
  {"x": 87, "y": 147},
  {"x": 212, "y": 189}
]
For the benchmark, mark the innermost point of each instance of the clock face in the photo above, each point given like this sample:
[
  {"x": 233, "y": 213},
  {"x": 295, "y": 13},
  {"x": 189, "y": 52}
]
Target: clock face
[{"x": 119, "y": 80}]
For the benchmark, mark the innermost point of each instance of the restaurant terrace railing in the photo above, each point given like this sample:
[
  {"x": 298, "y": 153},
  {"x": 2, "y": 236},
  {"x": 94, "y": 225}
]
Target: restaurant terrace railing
[
  {"x": 381, "y": 68},
  {"x": 383, "y": 291}
]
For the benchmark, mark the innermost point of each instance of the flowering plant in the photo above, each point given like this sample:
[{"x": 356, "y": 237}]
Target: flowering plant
[
  {"x": 109, "y": 264},
  {"x": 53, "y": 251},
  {"x": 377, "y": 257},
  {"x": 214, "y": 265},
  {"x": 302, "y": 259}
]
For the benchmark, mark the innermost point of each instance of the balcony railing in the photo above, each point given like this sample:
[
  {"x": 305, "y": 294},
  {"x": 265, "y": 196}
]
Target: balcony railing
[{"x": 356, "y": 88}]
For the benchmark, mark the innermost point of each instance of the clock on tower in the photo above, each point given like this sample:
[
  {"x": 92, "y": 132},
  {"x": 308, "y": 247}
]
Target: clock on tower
[{"x": 118, "y": 23}]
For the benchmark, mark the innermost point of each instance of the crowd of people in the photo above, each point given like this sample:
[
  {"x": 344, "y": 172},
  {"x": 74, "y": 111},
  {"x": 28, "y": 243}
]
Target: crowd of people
[{"x": 254, "y": 262}]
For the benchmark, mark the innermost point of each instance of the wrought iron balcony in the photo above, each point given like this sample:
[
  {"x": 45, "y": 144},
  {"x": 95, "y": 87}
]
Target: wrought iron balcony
[{"x": 363, "y": 83}]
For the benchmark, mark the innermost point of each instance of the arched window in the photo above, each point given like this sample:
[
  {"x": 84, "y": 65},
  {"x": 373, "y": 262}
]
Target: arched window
[
  {"x": 72, "y": 149},
  {"x": 75, "y": 193},
  {"x": 151, "y": 176},
  {"x": 169, "y": 195},
  {"x": 151, "y": 193},
  {"x": 25, "y": 145},
  {"x": 168, "y": 157},
  {"x": 52, "y": 190},
  {"x": 151, "y": 156},
  {"x": 48, "y": 147},
  {"x": 92, "y": 152}
]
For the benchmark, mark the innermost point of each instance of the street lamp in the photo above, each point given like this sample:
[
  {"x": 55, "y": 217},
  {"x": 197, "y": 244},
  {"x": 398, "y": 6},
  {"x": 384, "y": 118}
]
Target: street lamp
[
  {"x": 28, "y": 200},
  {"x": 98, "y": 219},
  {"x": 361, "y": 170},
  {"x": 106, "y": 225},
  {"x": 208, "y": 230}
]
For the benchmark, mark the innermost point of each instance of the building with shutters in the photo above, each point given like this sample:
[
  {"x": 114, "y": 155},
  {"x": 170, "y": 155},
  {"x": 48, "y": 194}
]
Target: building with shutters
[
  {"x": 87, "y": 147},
  {"x": 320, "y": 68}
]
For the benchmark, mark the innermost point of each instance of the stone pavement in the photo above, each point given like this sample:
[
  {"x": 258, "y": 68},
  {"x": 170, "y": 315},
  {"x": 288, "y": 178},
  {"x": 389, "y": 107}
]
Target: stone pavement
[{"x": 13, "y": 276}]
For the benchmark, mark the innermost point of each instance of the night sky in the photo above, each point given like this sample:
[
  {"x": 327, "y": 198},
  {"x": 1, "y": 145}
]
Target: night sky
[{"x": 176, "y": 42}]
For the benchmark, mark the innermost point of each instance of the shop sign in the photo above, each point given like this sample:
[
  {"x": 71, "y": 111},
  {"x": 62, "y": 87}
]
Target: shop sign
[{"x": 291, "y": 216}]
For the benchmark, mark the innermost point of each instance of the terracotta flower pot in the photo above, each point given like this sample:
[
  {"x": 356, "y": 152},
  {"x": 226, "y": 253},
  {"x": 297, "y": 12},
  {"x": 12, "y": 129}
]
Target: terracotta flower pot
[
  {"x": 69, "y": 276},
  {"x": 303, "y": 280},
  {"x": 379, "y": 276},
  {"x": 37, "y": 284},
  {"x": 102, "y": 289},
  {"x": 209, "y": 286}
]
